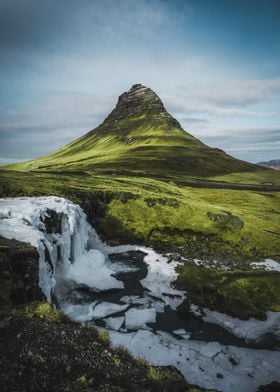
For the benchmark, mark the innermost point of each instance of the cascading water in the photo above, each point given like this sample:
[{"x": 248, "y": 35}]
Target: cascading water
[{"x": 75, "y": 272}]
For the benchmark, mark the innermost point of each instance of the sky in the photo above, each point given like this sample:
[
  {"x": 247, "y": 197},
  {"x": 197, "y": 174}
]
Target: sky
[{"x": 214, "y": 63}]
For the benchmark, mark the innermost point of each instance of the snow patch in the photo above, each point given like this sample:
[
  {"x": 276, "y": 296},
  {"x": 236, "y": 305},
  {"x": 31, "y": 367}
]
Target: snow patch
[
  {"x": 242, "y": 369},
  {"x": 268, "y": 264}
]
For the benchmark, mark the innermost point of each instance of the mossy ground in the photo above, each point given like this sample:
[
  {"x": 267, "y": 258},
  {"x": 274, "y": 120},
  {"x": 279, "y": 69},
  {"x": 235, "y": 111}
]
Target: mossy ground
[
  {"x": 241, "y": 294},
  {"x": 41, "y": 351},
  {"x": 231, "y": 226},
  {"x": 205, "y": 221}
]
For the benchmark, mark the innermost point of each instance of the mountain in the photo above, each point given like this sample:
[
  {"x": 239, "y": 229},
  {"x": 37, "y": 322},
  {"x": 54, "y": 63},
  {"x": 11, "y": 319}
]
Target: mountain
[
  {"x": 139, "y": 137},
  {"x": 272, "y": 164}
]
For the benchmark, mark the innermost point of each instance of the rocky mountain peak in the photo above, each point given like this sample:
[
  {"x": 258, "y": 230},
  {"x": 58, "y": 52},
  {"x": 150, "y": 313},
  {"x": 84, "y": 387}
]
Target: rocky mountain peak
[{"x": 137, "y": 101}]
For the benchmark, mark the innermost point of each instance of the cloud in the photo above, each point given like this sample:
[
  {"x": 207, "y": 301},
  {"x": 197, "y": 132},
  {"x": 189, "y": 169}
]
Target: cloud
[
  {"x": 226, "y": 99},
  {"x": 250, "y": 144},
  {"x": 64, "y": 62},
  {"x": 49, "y": 125}
]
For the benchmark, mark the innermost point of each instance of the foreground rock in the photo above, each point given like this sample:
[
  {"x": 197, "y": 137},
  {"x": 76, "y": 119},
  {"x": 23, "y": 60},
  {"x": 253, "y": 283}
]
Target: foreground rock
[
  {"x": 19, "y": 274},
  {"x": 45, "y": 354}
]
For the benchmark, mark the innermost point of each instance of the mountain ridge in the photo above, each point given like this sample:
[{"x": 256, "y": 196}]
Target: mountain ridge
[
  {"x": 139, "y": 137},
  {"x": 272, "y": 164}
]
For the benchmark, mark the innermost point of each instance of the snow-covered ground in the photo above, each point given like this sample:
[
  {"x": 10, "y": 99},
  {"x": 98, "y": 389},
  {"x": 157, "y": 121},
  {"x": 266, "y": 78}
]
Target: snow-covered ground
[
  {"x": 79, "y": 258},
  {"x": 209, "y": 365}
]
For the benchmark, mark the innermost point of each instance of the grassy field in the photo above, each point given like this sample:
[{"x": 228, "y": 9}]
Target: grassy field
[
  {"x": 206, "y": 222},
  {"x": 241, "y": 294}
]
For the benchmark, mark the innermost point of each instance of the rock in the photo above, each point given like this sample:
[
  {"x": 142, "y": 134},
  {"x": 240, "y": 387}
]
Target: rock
[
  {"x": 273, "y": 387},
  {"x": 19, "y": 270}
]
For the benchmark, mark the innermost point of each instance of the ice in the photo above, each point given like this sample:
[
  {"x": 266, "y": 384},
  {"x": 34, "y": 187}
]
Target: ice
[
  {"x": 200, "y": 362},
  {"x": 80, "y": 313},
  {"x": 104, "y": 309},
  {"x": 23, "y": 218},
  {"x": 180, "y": 331},
  {"x": 161, "y": 274},
  {"x": 268, "y": 264},
  {"x": 129, "y": 299},
  {"x": 91, "y": 311},
  {"x": 114, "y": 323},
  {"x": 251, "y": 329},
  {"x": 144, "y": 302},
  {"x": 137, "y": 318},
  {"x": 92, "y": 270}
]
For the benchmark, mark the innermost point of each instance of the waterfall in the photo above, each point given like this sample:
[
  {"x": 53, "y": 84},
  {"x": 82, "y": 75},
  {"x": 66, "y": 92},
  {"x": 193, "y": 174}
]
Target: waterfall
[{"x": 64, "y": 240}]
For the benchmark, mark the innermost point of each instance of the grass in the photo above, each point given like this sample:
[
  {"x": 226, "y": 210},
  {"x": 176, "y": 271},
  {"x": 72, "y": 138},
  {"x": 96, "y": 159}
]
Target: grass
[
  {"x": 256, "y": 178},
  {"x": 154, "y": 212},
  {"x": 241, "y": 294}
]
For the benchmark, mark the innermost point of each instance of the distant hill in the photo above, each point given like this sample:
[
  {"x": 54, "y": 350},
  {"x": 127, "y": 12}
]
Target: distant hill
[
  {"x": 272, "y": 164},
  {"x": 139, "y": 137}
]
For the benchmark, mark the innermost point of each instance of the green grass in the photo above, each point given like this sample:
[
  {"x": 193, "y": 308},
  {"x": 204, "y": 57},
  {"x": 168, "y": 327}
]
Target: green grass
[
  {"x": 241, "y": 294},
  {"x": 259, "y": 177},
  {"x": 153, "y": 212}
]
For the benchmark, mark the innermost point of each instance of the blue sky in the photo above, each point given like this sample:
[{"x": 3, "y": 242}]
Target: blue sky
[{"x": 214, "y": 63}]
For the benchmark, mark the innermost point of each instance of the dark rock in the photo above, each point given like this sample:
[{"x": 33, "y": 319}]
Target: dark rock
[
  {"x": 273, "y": 387},
  {"x": 138, "y": 100},
  {"x": 19, "y": 271},
  {"x": 184, "y": 308}
]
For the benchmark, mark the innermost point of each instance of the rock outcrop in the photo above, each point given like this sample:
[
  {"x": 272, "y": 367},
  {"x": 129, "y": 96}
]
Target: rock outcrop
[{"x": 19, "y": 274}]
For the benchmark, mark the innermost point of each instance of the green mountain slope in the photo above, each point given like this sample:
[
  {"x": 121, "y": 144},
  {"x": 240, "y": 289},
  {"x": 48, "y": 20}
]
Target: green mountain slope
[{"x": 140, "y": 137}]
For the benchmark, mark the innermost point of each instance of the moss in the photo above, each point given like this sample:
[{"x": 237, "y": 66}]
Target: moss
[
  {"x": 241, "y": 294},
  {"x": 42, "y": 310},
  {"x": 103, "y": 337},
  {"x": 155, "y": 212},
  {"x": 165, "y": 379}
]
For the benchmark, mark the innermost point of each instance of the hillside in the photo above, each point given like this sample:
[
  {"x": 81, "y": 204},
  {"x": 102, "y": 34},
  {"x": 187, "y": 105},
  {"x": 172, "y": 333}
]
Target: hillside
[{"x": 139, "y": 137}]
